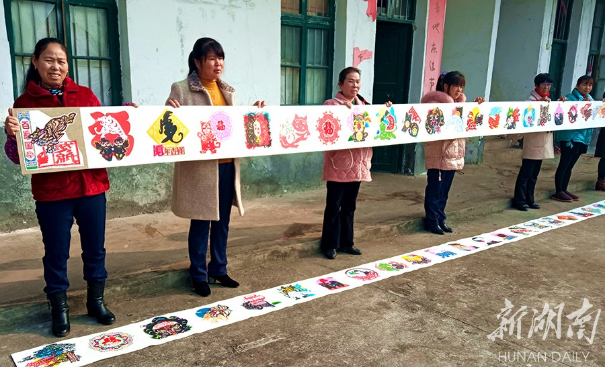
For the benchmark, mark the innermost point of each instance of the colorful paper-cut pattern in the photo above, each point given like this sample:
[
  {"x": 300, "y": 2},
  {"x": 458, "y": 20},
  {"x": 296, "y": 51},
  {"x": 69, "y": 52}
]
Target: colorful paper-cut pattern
[
  {"x": 363, "y": 274},
  {"x": 411, "y": 122},
  {"x": 360, "y": 121},
  {"x": 257, "y": 302},
  {"x": 162, "y": 327},
  {"x": 258, "y": 133},
  {"x": 330, "y": 283},
  {"x": 112, "y": 341},
  {"x": 167, "y": 131},
  {"x": 416, "y": 259},
  {"x": 296, "y": 292},
  {"x": 52, "y": 355},
  {"x": 387, "y": 124},
  {"x": 111, "y": 135},
  {"x": 391, "y": 266},
  {"x": 434, "y": 121},
  {"x": 218, "y": 313}
]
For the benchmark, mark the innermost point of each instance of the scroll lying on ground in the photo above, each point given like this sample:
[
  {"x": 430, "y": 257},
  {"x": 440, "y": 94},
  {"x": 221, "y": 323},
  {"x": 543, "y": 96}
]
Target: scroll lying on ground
[
  {"x": 78, "y": 351},
  {"x": 60, "y": 139}
]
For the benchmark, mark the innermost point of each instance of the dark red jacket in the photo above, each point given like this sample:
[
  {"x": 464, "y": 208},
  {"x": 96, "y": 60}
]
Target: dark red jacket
[{"x": 66, "y": 184}]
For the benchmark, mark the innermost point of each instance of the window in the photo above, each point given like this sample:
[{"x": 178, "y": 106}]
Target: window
[
  {"x": 392, "y": 10},
  {"x": 307, "y": 34},
  {"x": 89, "y": 30}
]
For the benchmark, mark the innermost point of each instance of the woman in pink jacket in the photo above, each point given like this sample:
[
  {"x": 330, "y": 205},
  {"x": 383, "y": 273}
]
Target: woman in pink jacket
[
  {"x": 344, "y": 170},
  {"x": 443, "y": 158}
]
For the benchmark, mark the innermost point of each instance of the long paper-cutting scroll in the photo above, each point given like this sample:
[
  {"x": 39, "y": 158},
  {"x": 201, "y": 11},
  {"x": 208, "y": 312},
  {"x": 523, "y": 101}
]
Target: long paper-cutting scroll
[{"x": 61, "y": 139}]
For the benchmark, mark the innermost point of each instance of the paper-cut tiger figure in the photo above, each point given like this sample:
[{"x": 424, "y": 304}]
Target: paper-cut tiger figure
[
  {"x": 208, "y": 138},
  {"x": 49, "y": 136}
]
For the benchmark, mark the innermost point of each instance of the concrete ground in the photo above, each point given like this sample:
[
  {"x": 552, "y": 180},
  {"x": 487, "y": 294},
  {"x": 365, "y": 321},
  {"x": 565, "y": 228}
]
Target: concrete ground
[
  {"x": 152, "y": 248},
  {"x": 435, "y": 316}
]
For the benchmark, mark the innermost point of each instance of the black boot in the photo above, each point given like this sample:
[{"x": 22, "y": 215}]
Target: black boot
[
  {"x": 59, "y": 310},
  {"x": 434, "y": 228},
  {"x": 96, "y": 306},
  {"x": 445, "y": 228}
]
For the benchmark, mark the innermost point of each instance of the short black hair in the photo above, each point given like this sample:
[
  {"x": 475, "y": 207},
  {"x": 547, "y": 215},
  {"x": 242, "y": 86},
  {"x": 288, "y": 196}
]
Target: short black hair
[
  {"x": 346, "y": 71},
  {"x": 584, "y": 78},
  {"x": 542, "y": 78}
]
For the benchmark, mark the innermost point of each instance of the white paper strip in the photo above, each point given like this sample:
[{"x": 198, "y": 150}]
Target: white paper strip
[
  {"x": 172, "y": 326},
  {"x": 54, "y": 140}
]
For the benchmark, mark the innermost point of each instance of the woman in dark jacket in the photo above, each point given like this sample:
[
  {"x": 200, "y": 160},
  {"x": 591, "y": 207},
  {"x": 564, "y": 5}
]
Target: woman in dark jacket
[{"x": 62, "y": 196}]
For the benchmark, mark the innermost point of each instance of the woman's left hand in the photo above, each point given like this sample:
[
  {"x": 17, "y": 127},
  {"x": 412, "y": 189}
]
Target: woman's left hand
[
  {"x": 563, "y": 99},
  {"x": 133, "y": 104},
  {"x": 260, "y": 104},
  {"x": 479, "y": 100},
  {"x": 388, "y": 104}
]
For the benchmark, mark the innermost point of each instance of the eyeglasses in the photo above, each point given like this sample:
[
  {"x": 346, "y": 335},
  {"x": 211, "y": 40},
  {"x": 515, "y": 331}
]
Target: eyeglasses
[{"x": 546, "y": 85}]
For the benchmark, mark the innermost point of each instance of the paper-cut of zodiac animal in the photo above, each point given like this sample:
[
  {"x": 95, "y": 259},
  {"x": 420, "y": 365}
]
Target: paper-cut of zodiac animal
[
  {"x": 49, "y": 136},
  {"x": 168, "y": 128}
]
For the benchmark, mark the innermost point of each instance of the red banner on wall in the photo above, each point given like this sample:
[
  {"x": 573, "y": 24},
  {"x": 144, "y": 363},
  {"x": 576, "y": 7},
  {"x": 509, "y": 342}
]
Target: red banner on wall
[{"x": 434, "y": 44}]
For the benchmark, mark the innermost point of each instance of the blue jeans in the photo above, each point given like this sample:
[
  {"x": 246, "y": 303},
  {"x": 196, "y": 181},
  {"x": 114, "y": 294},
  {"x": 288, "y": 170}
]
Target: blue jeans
[
  {"x": 218, "y": 230},
  {"x": 436, "y": 194},
  {"x": 56, "y": 219}
]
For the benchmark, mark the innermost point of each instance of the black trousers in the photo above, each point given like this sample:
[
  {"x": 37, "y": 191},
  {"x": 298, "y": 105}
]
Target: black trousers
[
  {"x": 602, "y": 168},
  {"x": 341, "y": 201},
  {"x": 437, "y": 191},
  {"x": 569, "y": 157},
  {"x": 218, "y": 230},
  {"x": 526, "y": 182},
  {"x": 56, "y": 219}
]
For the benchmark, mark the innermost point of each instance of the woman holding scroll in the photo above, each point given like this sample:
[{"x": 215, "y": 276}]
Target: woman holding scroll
[
  {"x": 62, "y": 196},
  {"x": 204, "y": 191},
  {"x": 443, "y": 158},
  {"x": 343, "y": 171}
]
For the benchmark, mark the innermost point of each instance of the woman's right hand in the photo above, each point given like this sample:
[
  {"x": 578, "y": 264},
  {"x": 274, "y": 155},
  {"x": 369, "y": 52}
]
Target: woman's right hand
[
  {"x": 348, "y": 104},
  {"x": 174, "y": 103},
  {"x": 11, "y": 124}
]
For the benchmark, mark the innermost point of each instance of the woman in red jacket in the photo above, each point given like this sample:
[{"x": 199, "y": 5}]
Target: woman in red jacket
[{"x": 62, "y": 196}]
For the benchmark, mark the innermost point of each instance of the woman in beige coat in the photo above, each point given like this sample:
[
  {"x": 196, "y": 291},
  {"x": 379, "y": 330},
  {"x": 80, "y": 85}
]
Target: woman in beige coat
[
  {"x": 205, "y": 191},
  {"x": 536, "y": 147}
]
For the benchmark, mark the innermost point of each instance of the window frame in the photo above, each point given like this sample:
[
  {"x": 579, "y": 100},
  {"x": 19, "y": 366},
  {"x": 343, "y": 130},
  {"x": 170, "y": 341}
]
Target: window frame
[
  {"x": 306, "y": 22},
  {"x": 64, "y": 34},
  {"x": 410, "y": 20}
]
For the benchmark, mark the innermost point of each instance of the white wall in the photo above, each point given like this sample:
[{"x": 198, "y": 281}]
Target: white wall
[
  {"x": 353, "y": 28},
  {"x": 580, "y": 30},
  {"x": 468, "y": 42},
  {"x": 6, "y": 74},
  {"x": 522, "y": 47},
  {"x": 161, "y": 34}
]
